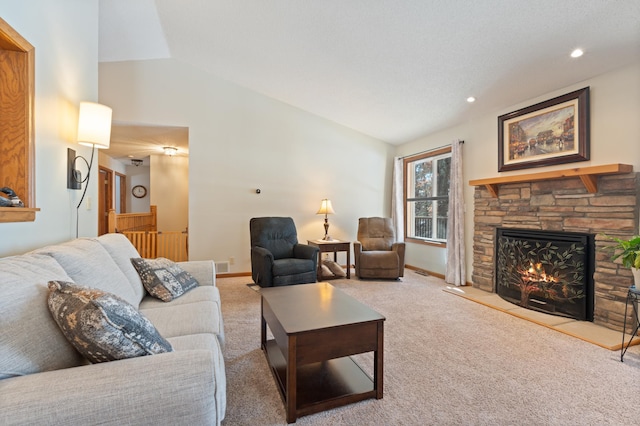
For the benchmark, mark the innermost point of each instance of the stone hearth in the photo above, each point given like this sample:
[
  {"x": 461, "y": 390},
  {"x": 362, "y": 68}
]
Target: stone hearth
[{"x": 563, "y": 204}]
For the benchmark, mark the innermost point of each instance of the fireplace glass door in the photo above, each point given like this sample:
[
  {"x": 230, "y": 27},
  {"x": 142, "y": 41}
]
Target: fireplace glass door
[{"x": 550, "y": 272}]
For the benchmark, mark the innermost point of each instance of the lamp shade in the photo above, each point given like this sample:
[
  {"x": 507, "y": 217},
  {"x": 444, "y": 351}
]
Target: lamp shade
[
  {"x": 94, "y": 125},
  {"x": 326, "y": 207}
]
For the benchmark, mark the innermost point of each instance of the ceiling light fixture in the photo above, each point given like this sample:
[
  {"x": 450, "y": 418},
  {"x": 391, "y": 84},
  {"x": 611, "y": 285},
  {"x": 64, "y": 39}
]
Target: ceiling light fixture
[
  {"x": 136, "y": 162},
  {"x": 471, "y": 99},
  {"x": 170, "y": 150},
  {"x": 577, "y": 53}
]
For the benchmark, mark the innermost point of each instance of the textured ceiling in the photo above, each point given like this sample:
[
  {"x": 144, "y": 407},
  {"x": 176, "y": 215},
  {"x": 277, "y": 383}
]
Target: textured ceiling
[{"x": 394, "y": 70}]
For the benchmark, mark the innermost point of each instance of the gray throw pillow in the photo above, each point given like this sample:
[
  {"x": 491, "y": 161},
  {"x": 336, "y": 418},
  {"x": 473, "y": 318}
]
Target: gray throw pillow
[
  {"x": 163, "y": 278},
  {"x": 102, "y": 326}
]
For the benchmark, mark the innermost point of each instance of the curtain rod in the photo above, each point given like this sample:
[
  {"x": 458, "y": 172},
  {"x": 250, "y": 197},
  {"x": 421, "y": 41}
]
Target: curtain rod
[{"x": 428, "y": 150}]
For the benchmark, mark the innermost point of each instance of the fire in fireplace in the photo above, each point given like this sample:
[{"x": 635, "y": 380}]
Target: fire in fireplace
[{"x": 546, "y": 271}]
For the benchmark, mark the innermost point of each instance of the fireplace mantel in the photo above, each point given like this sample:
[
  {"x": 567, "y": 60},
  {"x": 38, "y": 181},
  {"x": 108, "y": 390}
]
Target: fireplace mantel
[{"x": 588, "y": 176}]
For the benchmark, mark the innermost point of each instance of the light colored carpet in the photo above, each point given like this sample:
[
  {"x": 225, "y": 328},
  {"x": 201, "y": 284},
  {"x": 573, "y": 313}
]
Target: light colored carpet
[{"x": 447, "y": 361}]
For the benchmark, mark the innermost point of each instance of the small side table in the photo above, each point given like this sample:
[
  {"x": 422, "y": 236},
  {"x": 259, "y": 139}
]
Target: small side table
[
  {"x": 633, "y": 297},
  {"x": 332, "y": 246}
]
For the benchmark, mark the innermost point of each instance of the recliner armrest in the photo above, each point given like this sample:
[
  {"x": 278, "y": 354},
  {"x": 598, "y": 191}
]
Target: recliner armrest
[
  {"x": 261, "y": 266},
  {"x": 357, "y": 251},
  {"x": 304, "y": 251},
  {"x": 357, "y": 247},
  {"x": 399, "y": 247}
]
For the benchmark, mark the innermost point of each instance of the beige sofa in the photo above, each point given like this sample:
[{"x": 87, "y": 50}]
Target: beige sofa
[{"x": 44, "y": 380}]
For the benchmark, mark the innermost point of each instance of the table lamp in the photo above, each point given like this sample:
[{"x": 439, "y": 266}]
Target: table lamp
[{"x": 326, "y": 209}]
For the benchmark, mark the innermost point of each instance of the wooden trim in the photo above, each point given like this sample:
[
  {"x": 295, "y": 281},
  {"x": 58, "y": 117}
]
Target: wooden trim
[
  {"x": 17, "y": 139},
  {"x": 588, "y": 176},
  {"x": 233, "y": 274},
  {"x": 133, "y": 221},
  {"x": 123, "y": 191},
  {"x": 434, "y": 274},
  {"x": 17, "y": 214},
  {"x": 405, "y": 162},
  {"x": 425, "y": 242},
  {"x": 424, "y": 271}
]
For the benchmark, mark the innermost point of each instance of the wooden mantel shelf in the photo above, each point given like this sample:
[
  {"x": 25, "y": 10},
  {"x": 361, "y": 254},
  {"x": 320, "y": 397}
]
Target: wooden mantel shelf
[
  {"x": 17, "y": 214},
  {"x": 588, "y": 176}
]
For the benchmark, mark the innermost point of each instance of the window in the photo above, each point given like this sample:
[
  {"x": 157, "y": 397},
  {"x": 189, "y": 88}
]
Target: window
[{"x": 427, "y": 195}]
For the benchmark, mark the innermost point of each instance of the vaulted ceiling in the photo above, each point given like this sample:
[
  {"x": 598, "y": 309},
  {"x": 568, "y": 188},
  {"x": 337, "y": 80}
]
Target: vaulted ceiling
[{"x": 391, "y": 69}]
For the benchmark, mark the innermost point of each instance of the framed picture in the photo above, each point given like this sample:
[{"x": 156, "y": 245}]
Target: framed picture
[{"x": 551, "y": 132}]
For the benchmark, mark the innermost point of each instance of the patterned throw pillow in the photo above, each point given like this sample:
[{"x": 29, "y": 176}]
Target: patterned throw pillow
[
  {"x": 163, "y": 278},
  {"x": 100, "y": 325}
]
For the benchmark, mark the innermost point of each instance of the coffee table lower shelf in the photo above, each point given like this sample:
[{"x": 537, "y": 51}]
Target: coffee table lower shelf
[{"x": 321, "y": 385}]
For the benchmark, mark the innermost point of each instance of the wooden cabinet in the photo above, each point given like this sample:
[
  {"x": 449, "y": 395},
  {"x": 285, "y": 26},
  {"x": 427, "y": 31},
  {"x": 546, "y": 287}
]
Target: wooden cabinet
[{"x": 16, "y": 122}]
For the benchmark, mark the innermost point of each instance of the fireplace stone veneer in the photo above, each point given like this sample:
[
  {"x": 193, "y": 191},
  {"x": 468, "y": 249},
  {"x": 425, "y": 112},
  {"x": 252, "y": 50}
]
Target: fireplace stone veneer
[{"x": 563, "y": 204}]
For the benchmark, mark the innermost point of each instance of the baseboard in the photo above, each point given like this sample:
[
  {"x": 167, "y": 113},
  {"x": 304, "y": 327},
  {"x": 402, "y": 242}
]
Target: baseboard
[
  {"x": 428, "y": 272},
  {"x": 413, "y": 268},
  {"x": 234, "y": 274},
  {"x": 422, "y": 271}
]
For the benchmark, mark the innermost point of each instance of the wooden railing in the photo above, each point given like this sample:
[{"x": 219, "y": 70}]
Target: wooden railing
[
  {"x": 152, "y": 244},
  {"x": 142, "y": 230},
  {"x": 133, "y": 221}
]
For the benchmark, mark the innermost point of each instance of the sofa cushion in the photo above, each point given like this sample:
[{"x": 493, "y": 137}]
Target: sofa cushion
[
  {"x": 30, "y": 341},
  {"x": 179, "y": 320},
  {"x": 121, "y": 251},
  {"x": 206, "y": 341},
  {"x": 206, "y": 293},
  {"x": 102, "y": 326},
  {"x": 163, "y": 278},
  {"x": 292, "y": 266},
  {"x": 379, "y": 260},
  {"x": 87, "y": 262}
]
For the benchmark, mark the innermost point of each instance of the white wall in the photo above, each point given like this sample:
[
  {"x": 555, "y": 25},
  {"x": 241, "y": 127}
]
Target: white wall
[
  {"x": 240, "y": 141},
  {"x": 106, "y": 161},
  {"x": 65, "y": 36},
  {"x": 169, "y": 191},
  {"x": 138, "y": 175},
  {"x": 615, "y": 138}
]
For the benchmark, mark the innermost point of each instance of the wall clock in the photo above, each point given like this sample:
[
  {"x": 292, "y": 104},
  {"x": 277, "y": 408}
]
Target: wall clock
[{"x": 139, "y": 191}]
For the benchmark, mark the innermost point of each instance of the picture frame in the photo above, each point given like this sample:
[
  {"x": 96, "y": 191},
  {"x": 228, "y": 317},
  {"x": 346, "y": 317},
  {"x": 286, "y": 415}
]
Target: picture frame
[{"x": 555, "y": 131}]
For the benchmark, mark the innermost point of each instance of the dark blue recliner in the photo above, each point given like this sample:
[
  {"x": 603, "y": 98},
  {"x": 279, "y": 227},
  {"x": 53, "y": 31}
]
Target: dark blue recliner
[{"x": 276, "y": 256}]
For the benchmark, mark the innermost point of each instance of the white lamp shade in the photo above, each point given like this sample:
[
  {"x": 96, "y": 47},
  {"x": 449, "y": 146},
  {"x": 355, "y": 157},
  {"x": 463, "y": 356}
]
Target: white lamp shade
[
  {"x": 94, "y": 125},
  {"x": 326, "y": 207}
]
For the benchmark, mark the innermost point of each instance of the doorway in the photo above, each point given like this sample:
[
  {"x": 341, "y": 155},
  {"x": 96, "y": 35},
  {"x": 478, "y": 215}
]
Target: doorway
[{"x": 105, "y": 188}]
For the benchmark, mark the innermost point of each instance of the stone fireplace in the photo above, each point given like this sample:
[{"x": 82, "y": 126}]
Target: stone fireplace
[{"x": 599, "y": 204}]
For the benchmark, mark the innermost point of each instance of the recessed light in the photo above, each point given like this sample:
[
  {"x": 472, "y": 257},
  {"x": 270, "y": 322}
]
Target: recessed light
[
  {"x": 577, "y": 53},
  {"x": 471, "y": 99}
]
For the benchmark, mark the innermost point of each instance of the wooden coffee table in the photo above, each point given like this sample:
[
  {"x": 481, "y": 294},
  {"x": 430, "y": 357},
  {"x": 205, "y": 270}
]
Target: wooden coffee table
[{"x": 316, "y": 327}]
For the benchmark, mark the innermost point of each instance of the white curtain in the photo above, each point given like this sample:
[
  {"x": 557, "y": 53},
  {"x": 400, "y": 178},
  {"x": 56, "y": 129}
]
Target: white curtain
[
  {"x": 397, "y": 208},
  {"x": 455, "y": 272}
]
